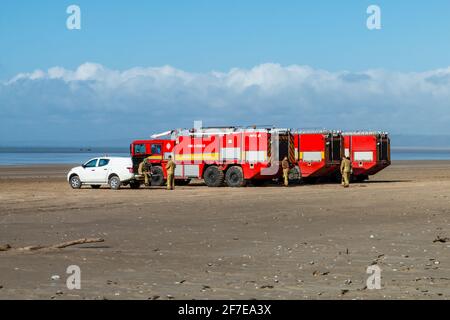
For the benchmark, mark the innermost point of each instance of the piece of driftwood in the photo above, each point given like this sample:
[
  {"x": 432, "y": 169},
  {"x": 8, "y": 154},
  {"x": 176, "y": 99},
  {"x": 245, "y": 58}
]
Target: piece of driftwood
[
  {"x": 61, "y": 245},
  {"x": 443, "y": 240}
]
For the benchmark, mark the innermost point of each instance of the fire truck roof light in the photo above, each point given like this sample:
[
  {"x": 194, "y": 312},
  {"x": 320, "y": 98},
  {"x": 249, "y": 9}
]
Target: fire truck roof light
[
  {"x": 364, "y": 133},
  {"x": 323, "y": 131},
  {"x": 162, "y": 134}
]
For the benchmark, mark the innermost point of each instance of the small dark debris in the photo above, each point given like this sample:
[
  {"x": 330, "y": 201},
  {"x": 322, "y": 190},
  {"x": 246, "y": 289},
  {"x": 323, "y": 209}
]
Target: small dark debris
[
  {"x": 266, "y": 286},
  {"x": 442, "y": 240},
  {"x": 5, "y": 247}
]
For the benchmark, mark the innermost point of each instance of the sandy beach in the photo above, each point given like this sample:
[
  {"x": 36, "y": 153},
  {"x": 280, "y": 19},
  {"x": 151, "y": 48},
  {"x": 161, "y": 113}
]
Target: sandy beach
[{"x": 302, "y": 242}]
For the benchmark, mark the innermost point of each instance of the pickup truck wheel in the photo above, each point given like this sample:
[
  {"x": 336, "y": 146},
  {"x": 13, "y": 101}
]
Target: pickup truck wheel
[
  {"x": 135, "y": 184},
  {"x": 75, "y": 182},
  {"x": 95, "y": 186},
  {"x": 157, "y": 176},
  {"x": 235, "y": 177},
  {"x": 114, "y": 182},
  {"x": 213, "y": 176}
]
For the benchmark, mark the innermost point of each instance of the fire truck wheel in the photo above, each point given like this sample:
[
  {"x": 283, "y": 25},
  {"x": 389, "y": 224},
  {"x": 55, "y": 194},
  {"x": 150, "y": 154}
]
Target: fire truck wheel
[
  {"x": 213, "y": 176},
  {"x": 114, "y": 183},
  {"x": 235, "y": 177},
  {"x": 157, "y": 176}
]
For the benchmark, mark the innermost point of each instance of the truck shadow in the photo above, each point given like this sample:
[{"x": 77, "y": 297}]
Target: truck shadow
[{"x": 383, "y": 181}]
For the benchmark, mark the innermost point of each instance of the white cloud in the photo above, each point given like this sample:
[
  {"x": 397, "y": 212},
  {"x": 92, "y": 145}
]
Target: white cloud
[{"x": 143, "y": 100}]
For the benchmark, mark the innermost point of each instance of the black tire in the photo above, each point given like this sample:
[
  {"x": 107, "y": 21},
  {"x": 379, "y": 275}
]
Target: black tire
[
  {"x": 180, "y": 182},
  {"x": 135, "y": 184},
  {"x": 234, "y": 177},
  {"x": 114, "y": 182},
  {"x": 95, "y": 186},
  {"x": 157, "y": 176},
  {"x": 213, "y": 177},
  {"x": 75, "y": 182}
]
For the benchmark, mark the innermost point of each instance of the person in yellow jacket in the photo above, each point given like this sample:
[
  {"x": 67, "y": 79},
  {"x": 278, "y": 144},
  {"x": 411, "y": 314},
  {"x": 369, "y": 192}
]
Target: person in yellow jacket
[
  {"x": 145, "y": 169},
  {"x": 170, "y": 167},
  {"x": 346, "y": 169},
  {"x": 285, "y": 166}
]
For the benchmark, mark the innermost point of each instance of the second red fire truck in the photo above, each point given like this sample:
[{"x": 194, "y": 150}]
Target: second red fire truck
[
  {"x": 369, "y": 152},
  {"x": 318, "y": 153}
]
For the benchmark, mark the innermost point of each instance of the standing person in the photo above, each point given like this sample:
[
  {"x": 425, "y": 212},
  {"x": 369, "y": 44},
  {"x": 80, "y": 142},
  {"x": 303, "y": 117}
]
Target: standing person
[
  {"x": 346, "y": 169},
  {"x": 170, "y": 167},
  {"x": 285, "y": 166}
]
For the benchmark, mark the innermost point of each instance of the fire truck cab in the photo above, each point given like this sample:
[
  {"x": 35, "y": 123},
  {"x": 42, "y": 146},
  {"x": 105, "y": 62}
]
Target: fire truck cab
[
  {"x": 318, "y": 153},
  {"x": 158, "y": 151},
  {"x": 369, "y": 152}
]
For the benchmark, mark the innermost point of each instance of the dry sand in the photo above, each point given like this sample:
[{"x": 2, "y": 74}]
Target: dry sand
[{"x": 303, "y": 242}]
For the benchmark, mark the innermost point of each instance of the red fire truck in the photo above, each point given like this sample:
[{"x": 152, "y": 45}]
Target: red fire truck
[
  {"x": 369, "y": 152},
  {"x": 220, "y": 155},
  {"x": 318, "y": 153},
  {"x": 232, "y": 155}
]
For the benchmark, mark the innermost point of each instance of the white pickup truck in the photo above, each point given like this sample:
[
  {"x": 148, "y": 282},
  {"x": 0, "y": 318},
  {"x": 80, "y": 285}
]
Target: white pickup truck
[{"x": 112, "y": 171}]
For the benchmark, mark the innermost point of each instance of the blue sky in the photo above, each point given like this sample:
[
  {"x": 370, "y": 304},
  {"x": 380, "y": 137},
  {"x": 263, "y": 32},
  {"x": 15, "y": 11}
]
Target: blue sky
[
  {"x": 196, "y": 38},
  {"x": 218, "y": 35}
]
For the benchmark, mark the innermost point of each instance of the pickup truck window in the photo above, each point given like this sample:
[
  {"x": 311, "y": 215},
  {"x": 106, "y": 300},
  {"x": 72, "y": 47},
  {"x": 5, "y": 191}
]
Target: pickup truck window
[
  {"x": 103, "y": 162},
  {"x": 91, "y": 163}
]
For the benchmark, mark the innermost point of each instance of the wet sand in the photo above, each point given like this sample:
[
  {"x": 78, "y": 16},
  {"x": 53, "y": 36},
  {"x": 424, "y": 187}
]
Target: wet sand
[{"x": 302, "y": 242}]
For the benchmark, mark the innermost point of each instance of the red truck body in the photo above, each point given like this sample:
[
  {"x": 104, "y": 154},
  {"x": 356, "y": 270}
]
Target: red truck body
[
  {"x": 231, "y": 155},
  {"x": 318, "y": 154},
  {"x": 369, "y": 152}
]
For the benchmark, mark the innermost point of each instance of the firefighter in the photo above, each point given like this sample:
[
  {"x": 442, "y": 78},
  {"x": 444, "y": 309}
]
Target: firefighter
[
  {"x": 170, "y": 167},
  {"x": 346, "y": 169},
  {"x": 145, "y": 169},
  {"x": 285, "y": 166}
]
